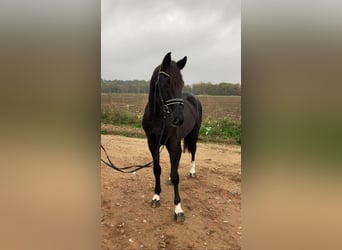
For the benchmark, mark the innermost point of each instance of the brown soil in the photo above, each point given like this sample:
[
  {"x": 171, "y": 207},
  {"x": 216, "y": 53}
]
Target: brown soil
[{"x": 211, "y": 201}]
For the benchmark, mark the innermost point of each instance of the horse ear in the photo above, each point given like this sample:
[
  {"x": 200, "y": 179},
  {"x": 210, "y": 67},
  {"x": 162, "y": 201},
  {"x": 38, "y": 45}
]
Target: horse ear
[
  {"x": 166, "y": 61},
  {"x": 181, "y": 63}
]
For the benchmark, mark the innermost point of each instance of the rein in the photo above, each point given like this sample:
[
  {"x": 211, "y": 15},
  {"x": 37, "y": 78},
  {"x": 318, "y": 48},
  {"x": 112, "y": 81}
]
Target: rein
[
  {"x": 135, "y": 168},
  {"x": 166, "y": 109},
  {"x": 122, "y": 169}
]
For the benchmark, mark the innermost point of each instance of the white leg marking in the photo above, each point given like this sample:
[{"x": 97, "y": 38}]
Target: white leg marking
[
  {"x": 178, "y": 208},
  {"x": 156, "y": 197},
  {"x": 192, "y": 168}
]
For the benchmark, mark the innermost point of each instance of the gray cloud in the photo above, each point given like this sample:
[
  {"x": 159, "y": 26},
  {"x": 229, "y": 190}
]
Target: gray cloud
[{"x": 135, "y": 36}]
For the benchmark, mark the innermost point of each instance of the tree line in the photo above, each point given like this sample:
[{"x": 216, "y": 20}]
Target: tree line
[{"x": 142, "y": 86}]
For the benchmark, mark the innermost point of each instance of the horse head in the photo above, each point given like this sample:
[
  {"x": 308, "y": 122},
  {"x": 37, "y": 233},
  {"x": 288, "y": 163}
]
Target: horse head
[{"x": 168, "y": 87}]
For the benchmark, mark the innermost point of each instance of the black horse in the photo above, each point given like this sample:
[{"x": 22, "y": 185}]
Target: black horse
[{"x": 171, "y": 115}]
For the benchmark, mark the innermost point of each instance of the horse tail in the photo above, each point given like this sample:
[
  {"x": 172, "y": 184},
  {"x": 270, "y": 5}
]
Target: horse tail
[{"x": 191, "y": 139}]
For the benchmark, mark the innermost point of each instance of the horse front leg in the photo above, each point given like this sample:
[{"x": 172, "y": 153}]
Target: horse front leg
[
  {"x": 175, "y": 152},
  {"x": 157, "y": 189},
  {"x": 157, "y": 172}
]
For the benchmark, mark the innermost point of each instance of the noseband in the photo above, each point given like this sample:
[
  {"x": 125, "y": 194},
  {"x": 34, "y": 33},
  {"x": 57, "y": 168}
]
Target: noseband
[{"x": 168, "y": 103}]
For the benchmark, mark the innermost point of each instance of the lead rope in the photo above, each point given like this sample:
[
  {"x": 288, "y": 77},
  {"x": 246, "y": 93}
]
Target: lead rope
[
  {"x": 109, "y": 163},
  {"x": 166, "y": 110}
]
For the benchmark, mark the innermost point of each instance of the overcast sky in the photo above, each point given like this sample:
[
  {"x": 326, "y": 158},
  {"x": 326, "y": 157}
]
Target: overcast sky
[{"x": 136, "y": 35}]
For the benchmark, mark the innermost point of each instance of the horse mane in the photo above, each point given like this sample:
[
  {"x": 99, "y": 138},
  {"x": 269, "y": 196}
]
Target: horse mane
[{"x": 176, "y": 81}]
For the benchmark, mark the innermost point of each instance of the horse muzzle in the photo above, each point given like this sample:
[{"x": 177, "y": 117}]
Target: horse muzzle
[{"x": 176, "y": 117}]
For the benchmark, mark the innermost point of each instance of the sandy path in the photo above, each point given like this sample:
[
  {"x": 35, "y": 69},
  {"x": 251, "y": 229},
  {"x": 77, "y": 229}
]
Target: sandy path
[{"x": 211, "y": 202}]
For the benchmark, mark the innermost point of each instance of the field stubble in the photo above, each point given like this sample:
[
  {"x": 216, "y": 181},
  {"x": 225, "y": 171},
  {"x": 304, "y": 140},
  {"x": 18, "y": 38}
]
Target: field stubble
[
  {"x": 221, "y": 116},
  {"x": 213, "y": 106}
]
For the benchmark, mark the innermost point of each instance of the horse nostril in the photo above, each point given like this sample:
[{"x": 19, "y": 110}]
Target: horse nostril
[{"x": 178, "y": 121}]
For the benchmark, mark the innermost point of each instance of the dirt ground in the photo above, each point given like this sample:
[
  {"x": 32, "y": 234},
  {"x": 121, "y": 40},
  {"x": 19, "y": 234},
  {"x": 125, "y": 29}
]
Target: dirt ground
[{"x": 211, "y": 201}]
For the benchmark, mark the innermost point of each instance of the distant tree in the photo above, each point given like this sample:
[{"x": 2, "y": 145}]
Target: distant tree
[
  {"x": 141, "y": 86},
  {"x": 187, "y": 88}
]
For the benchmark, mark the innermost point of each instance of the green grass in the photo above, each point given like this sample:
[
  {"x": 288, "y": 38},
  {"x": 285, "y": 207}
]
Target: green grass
[
  {"x": 121, "y": 118},
  {"x": 222, "y": 130}
]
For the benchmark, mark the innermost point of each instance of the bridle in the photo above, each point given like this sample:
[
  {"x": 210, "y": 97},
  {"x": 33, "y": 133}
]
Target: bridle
[{"x": 168, "y": 103}]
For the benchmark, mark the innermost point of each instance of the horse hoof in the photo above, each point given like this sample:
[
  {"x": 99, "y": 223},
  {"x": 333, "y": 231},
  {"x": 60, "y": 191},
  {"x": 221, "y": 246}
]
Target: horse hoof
[
  {"x": 180, "y": 217},
  {"x": 155, "y": 203},
  {"x": 193, "y": 175}
]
